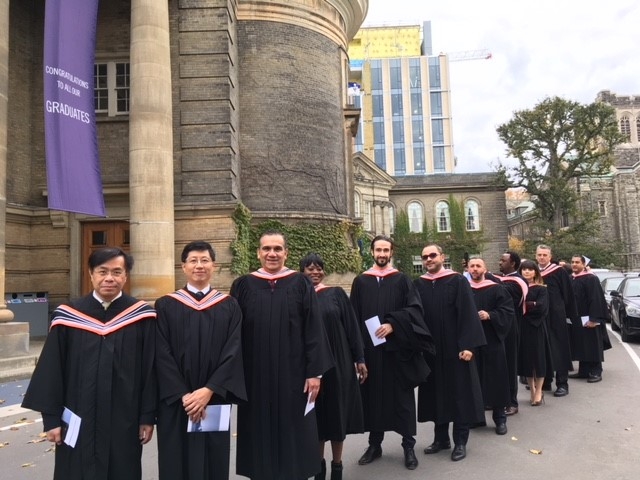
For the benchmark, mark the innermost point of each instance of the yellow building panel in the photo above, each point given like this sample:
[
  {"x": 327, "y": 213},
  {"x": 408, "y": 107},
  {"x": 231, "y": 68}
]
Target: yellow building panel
[{"x": 386, "y": 42}]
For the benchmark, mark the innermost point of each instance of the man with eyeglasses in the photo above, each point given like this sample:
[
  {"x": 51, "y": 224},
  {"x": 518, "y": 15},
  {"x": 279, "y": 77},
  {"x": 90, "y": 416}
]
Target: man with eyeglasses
[
  {"x": 96, "y": 369},
  {"x": 200, "y": 372},
  {"x": 452, "y": 391},
  {"x": 286, "y": 352},
  {"x": 396, "y": 366}
]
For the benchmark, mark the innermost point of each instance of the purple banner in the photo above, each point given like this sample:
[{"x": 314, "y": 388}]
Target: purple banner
[{"x": 73, "y": 166}]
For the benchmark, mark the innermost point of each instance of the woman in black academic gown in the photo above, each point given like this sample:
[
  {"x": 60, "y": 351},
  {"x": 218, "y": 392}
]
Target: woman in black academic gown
[
  {"x": 534, "y": 360},
  {"x": 338, "y": 405}
]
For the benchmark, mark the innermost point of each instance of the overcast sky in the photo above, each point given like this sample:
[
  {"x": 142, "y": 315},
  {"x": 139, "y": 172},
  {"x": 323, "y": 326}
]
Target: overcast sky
[{"x": 569, "y": 48}]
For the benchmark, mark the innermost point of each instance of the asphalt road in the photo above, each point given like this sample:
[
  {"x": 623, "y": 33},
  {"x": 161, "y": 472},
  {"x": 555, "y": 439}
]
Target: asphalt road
[{"x": 593, "y": 433}]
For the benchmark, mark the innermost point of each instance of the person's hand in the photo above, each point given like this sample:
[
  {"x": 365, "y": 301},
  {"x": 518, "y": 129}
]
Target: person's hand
[
  {"x": 465, "y": 355},
  {"x": 483, "y": 315},
  {"x": 194, "y": 403},
  {"x": 312, "y": 387},
  {"x": 384, "y": 330},
  {"x": 55, "y": 435},
  {"x": 361, "y": 368},
  {"x": 145, "y": 433},
  {"x": 591, "y": 324}
]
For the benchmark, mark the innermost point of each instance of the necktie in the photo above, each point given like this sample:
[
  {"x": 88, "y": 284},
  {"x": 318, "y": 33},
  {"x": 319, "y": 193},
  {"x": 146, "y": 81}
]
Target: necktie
[
  {"x": 272, "y": 284},
  {"x": 105, "y": 305},
  {"x": 199, "y": 295}
]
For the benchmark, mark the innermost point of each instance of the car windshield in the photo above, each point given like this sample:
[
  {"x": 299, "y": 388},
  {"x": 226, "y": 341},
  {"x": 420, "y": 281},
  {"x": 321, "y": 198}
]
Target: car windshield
[
  {"x": 632, "y": 288},
  {"x": 609, "y": 284}
]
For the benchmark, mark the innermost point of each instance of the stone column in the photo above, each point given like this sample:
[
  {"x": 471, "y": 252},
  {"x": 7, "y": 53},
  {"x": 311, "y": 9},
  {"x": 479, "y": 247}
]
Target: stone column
[
  {"x": 5, "y": 314},
  {"x": 151, "y": 151}
]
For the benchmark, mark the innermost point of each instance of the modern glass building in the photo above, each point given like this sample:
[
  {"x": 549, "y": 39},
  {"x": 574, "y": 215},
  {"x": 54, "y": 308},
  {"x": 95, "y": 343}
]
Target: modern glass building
[{"x": 404, "y": 94}]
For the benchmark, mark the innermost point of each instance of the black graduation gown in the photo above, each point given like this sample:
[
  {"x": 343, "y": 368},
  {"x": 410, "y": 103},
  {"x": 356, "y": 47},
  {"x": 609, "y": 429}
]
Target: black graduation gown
[
  {"x": 283, "y": 344},
  {"x": 492, "y": 360},
  {"x": 534, "y": 353},
  {"x": 104, "y": 374},
  {"x": 562, "y": 306},
  {"x": 338, "y": 405},
  {"x": 588, "y": 344},
  {"x": 198, "y": 344},
  {"x": 452, "y": 392},
  {"x": 389, "y": 403}
]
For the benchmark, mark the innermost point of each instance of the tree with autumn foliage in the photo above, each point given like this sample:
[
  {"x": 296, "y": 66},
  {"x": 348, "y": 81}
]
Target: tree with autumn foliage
[{"x": 550, "y": 148}]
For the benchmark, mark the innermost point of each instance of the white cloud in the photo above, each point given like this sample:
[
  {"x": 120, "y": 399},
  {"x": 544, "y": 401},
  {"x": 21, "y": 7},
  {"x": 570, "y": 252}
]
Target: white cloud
[{"x": 570, "y": 48}]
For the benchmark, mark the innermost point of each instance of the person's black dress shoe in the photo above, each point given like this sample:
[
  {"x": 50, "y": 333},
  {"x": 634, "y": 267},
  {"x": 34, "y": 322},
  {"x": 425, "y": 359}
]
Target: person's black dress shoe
[
  {"x": 501, "y": 428},
  {"x": 561, "y": 392},
  {"x": 370, "y": 454},
  {"x": 410, "y": 460},
  {"x": 511, "y": 410},
  {"x": 578, "y": 375},
  {"x": 459, "y": 452},
  {"x": 594, "y": 378},
  {"x": 436, "y": 446}
]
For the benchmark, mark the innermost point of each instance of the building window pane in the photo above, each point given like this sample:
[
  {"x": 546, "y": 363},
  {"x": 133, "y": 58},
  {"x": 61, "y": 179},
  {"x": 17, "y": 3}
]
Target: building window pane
[
  {"x": 398, "y": 131},
  {"x": 416, "y": 104},
  {"x": 399, "y": 161},
  {"x": 366, "y": 223},
  {"x": 436, "y": 104},
  {"x": 356, "y": 205},
  {"x": 602, "y": 208},
  {"x": 438, "y": 159},
  {"x": 418, "y": 159},
  {"x": 415, "y": 75},
  {"x": 625, "y": 128},
  {"x": 435, "y": 82},
  {"x": 376, "y": 75},
  {"x": 380, "y": 156},
  {"x": 392, "y": 219},
  {"x": 414, "y": 211},
  {"x": 443, "y": 218},
  {"x": 472, "y": 215},
  {"x": 396, "y": 105},
  {"x": 437, "y": 130},
  {"x": 111, "y": 82},
  {"x": 395, "y": 74},
  {"x": 377, "y": 106}
]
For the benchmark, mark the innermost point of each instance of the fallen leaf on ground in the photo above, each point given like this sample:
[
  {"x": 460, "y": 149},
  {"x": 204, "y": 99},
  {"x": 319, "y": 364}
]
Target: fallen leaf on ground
[
  {"x": 2, "y": 401},
  {"x": 37, "y": 440},
  {"x": 514, "y": 439},
  {"x": 3, "y": 444},
  {"x": 535, "y": 452},
  {"x": 30, "y": 464}
]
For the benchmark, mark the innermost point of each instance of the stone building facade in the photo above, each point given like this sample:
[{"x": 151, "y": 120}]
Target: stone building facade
[{"x": 225, "y": 102}]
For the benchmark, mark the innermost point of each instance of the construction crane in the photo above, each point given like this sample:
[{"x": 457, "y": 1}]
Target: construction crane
[{"x": 465, "y": 55}]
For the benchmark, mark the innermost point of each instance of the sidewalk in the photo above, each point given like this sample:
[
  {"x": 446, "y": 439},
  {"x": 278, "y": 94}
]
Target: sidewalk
[{"x": 17, "y": 368}]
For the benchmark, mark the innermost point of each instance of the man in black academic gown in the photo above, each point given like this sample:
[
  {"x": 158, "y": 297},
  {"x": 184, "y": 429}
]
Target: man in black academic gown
[
  {"x": 517, "y": 287},
  {"x": 589, "y": 336},
  {"x": 562, "y": 313},
  {"x": 495, "y": 309},
  {"x": 199, "y": 365},
  {"x": 396, "y": 366},
  {"x": 286, "y": 351},
  {"x": 452, "y": 392},
  {"x": 97, "y": 362}
]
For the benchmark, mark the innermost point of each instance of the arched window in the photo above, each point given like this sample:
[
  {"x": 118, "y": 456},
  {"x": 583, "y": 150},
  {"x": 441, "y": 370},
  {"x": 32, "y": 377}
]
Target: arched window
[
  {"x": 625, "y": 127},
  {"x": 638, "y": 128},
  {"x": 443, "y": 217},
  {"x": 356, "y": 205},
  {"x": 366, "y": 216},
  {"x": 392, "y": 218},
  {"x": 472, "y": 215},
  {"x": 414, "y": 211}
]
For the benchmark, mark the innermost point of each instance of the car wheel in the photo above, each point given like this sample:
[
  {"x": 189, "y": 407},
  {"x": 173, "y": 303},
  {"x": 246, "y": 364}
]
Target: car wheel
[
  {"x": 614, "y": 325},
  {"x": 624, "y": 335}
]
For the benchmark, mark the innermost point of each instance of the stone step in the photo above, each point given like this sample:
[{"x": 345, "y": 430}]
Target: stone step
[{"x": 16, "y": 368}]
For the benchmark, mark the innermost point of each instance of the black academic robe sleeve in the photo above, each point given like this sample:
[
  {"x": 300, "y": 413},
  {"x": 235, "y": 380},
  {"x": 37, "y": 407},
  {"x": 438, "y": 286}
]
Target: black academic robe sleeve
[
  {"x": 501, "y": 315},
  {"x": 350, "y": 325}
]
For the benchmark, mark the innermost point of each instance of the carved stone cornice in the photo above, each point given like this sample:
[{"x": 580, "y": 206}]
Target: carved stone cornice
[{"x": 338, "y": 20}]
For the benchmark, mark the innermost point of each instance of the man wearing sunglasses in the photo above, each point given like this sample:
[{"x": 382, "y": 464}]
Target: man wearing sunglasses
[{"x": 452, "y": 390}]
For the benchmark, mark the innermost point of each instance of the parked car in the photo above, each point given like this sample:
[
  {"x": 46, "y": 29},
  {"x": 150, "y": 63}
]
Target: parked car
[
  {"x": 608, "y": 285},
  {"x": 602, "y": 273},
  {"x": 625, "y": 308}
]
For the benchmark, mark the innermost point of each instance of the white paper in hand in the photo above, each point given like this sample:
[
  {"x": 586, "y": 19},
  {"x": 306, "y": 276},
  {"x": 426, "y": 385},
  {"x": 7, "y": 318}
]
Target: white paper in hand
[{"x": 373, "y": 324}]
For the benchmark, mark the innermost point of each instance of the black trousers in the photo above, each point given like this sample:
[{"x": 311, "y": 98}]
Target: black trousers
[
  {"x": 376, "y": 438},
  {"x": 460, "y": 433}
]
